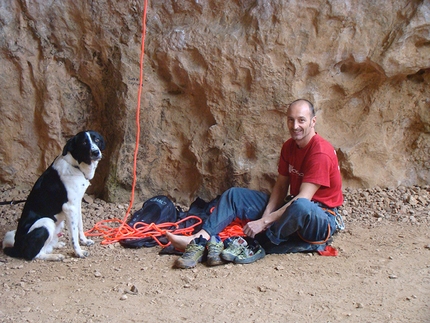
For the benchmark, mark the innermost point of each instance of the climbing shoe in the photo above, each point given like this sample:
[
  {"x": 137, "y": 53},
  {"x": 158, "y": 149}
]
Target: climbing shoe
[
  {"x": 252, "y": 252},
  {"x": 233, "y": 248},
  {"x": 215, "y": 246},
  {"x": 193, "y": 254}
]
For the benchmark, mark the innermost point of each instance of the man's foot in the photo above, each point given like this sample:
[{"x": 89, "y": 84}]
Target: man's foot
[
  {"x": 179, "y": 242},
  {"x": 193, "y": 254},
  {"x": 215, "y": 246}
]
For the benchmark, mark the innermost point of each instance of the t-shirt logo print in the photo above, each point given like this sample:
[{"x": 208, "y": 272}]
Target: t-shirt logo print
[{"x": 294, "y": 171}]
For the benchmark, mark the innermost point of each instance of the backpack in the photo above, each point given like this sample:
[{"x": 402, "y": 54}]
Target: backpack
[
  {"x": 201, "y": 209},
  {"x": 158, "y": 209}
]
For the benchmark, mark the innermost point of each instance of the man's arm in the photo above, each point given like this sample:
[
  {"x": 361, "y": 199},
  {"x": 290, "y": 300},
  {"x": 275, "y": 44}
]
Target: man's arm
[
  {"x": 276, "y": 200},
  {"x": 274, "y": 211},
  {"x": 277, "y": 197}
]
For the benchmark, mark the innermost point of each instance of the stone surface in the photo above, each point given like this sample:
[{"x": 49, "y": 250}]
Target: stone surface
[{"x": 217, "y": 76}]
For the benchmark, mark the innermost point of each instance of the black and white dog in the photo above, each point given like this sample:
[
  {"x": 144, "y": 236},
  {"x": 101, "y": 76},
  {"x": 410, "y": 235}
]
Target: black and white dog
[{"x": 56, "y": 197}]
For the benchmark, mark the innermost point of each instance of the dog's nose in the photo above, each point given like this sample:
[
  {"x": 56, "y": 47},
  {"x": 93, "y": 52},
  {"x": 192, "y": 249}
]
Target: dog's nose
[{"x": 95, "y": 153}]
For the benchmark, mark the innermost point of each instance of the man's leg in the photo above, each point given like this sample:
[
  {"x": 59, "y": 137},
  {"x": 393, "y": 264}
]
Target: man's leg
[
  {"x": 241, "y": 203},
  {"x": 306, "y": 219}
]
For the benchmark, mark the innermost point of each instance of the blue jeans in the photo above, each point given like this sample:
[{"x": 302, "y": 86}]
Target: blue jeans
[{"x": 301, "y": 224}]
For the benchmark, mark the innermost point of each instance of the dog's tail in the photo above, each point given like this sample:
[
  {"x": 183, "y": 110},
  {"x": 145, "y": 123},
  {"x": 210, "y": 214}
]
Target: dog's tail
[
  {"x": 8, "y": 245},
  {"x": 26, "y": 246},
  {"x": 9, "y": 239}
]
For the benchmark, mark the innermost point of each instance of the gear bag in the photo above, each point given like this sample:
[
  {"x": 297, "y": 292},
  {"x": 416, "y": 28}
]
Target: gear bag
[{"x": 158, "y": 209}]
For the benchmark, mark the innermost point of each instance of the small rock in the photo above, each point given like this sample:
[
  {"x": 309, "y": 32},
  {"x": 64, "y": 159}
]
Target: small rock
[
  {"x": 88, "y": 199},
  {"x": 123, "y": 297},
  {"x": 392, "y": 276},
  {"x": 134, "y": 290}
]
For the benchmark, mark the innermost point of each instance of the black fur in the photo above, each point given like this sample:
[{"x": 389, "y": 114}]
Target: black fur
[
  {"x": 49, "y": 195},
  {"x": 81, "y": 141}
]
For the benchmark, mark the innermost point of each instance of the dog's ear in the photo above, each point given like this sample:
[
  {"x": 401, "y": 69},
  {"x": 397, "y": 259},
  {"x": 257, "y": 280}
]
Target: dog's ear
[
  {"x": 98, "y": 140},
  {"x": 69, "y": 146}
]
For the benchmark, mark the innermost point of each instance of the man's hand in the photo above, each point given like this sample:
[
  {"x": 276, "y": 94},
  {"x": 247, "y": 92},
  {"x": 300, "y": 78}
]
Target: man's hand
[{"x": 254, "y": 227}]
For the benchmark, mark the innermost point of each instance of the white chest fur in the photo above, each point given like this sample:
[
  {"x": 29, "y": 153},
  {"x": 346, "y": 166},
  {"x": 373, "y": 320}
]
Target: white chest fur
[{"x": 73, "y": 178}]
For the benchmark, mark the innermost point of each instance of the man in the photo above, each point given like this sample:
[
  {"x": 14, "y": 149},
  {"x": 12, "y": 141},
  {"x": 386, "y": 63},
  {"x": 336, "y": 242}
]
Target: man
[{"x": 308, "y": 169}]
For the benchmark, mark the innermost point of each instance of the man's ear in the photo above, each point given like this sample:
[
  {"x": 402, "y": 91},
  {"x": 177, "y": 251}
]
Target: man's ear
[{"x": 313, "y": 121}]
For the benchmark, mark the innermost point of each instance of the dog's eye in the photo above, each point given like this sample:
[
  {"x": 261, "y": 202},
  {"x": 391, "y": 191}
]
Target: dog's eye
[{"x": 96, "y": 140}]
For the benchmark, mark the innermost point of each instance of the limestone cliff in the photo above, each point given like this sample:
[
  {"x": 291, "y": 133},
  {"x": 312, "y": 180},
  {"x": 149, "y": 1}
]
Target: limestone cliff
[{"x": 217, "y": 76}]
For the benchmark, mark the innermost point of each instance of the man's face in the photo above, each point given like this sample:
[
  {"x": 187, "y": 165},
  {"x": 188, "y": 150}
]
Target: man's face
[{"x": 300, "y": 123}]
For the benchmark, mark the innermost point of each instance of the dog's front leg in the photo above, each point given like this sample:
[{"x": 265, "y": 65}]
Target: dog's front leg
[
  {"x": 82, "y": 237},
  {"x": 73, "y": 217}
]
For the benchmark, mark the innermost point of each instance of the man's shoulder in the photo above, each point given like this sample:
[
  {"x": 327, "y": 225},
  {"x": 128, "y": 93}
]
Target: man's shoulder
[{"x": 322, "y": 144}]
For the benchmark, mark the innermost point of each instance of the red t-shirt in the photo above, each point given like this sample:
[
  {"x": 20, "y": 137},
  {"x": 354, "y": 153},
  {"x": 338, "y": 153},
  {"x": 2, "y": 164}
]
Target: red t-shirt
[{"x": 316, "y": 163}]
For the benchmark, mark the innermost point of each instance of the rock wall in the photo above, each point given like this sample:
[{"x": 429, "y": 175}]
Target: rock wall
[{"x": 217, "y": 77}]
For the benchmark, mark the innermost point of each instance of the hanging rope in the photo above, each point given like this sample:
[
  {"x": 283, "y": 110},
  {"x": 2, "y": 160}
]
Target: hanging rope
[{"x": 109, "y": 229}]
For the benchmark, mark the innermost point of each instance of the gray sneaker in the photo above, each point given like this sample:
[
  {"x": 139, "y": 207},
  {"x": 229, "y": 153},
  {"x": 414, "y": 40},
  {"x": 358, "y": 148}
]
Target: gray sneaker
[
  {"x": 251, "y": 253},
  {"x": 193, "y": 254},
  {"x": 234, "y": 246},
  {"x": 215, "y": 246}
]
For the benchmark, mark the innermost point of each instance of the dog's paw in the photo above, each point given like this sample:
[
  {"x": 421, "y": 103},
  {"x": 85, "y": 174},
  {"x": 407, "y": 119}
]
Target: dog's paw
[
  {"x": 87, "y": 242},
  {"x": 60, "y": 257},
  {"x": 60, "y": 245},
  {"x": 51, "y": 257},
  {"x": 82, "y": 253}
]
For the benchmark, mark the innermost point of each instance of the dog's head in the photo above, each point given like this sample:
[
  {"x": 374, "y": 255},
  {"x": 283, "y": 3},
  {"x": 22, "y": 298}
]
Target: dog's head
[{"x": 85, "y": 147}]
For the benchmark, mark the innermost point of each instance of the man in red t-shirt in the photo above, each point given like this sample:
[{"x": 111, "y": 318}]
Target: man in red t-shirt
[{"x": 309, "y": 171}]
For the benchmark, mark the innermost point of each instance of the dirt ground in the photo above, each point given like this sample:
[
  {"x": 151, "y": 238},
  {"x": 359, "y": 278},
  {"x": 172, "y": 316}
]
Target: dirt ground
[{"x": 382, "y": 274}]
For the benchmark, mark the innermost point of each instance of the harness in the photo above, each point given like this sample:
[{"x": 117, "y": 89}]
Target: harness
[{"x": 340, "y": 225}]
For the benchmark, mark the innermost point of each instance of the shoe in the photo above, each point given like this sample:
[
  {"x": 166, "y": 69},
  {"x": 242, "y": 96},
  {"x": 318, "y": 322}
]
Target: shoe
[
  {"x": 251, "y": 253},
  {"x": 233, "y": 248},
  {"x": 215, "y": 246},
  {"x": 193, "y": 254}
]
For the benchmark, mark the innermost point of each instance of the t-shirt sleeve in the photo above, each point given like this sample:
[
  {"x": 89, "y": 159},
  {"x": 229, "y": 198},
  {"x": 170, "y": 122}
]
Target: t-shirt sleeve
[{"x": 318, "y": 169}]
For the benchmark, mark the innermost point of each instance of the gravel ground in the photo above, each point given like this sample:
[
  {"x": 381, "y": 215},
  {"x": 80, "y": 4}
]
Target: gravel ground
[{"x": 382, "y": 273}]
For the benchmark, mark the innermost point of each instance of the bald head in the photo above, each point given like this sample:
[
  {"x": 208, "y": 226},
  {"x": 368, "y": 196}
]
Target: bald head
[
  {"x": 301, "y": 121},
  {"x": 304, "y": 101}
]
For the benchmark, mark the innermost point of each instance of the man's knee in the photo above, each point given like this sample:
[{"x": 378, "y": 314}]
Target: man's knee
[
  {"x": 235, "y": 192},
  {"x": 301, "y": 206}
]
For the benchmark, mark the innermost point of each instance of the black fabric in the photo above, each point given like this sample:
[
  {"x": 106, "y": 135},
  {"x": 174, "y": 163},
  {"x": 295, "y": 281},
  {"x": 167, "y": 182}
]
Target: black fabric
[
  {"x": 201, "y": 209},
  {"x": 158, "y": 209}
]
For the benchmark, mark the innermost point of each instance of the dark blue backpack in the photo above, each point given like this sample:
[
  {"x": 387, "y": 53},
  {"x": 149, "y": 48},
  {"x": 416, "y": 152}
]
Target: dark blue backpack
[{"x": 158, "y": 209}]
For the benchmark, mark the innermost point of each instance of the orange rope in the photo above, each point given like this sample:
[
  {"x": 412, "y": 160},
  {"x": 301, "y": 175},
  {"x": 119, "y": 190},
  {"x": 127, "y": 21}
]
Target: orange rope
[
  {"x": 139, "y": 95},
  {"x": 124, "y": 229},
  {"x": 140, "y": 230}
]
